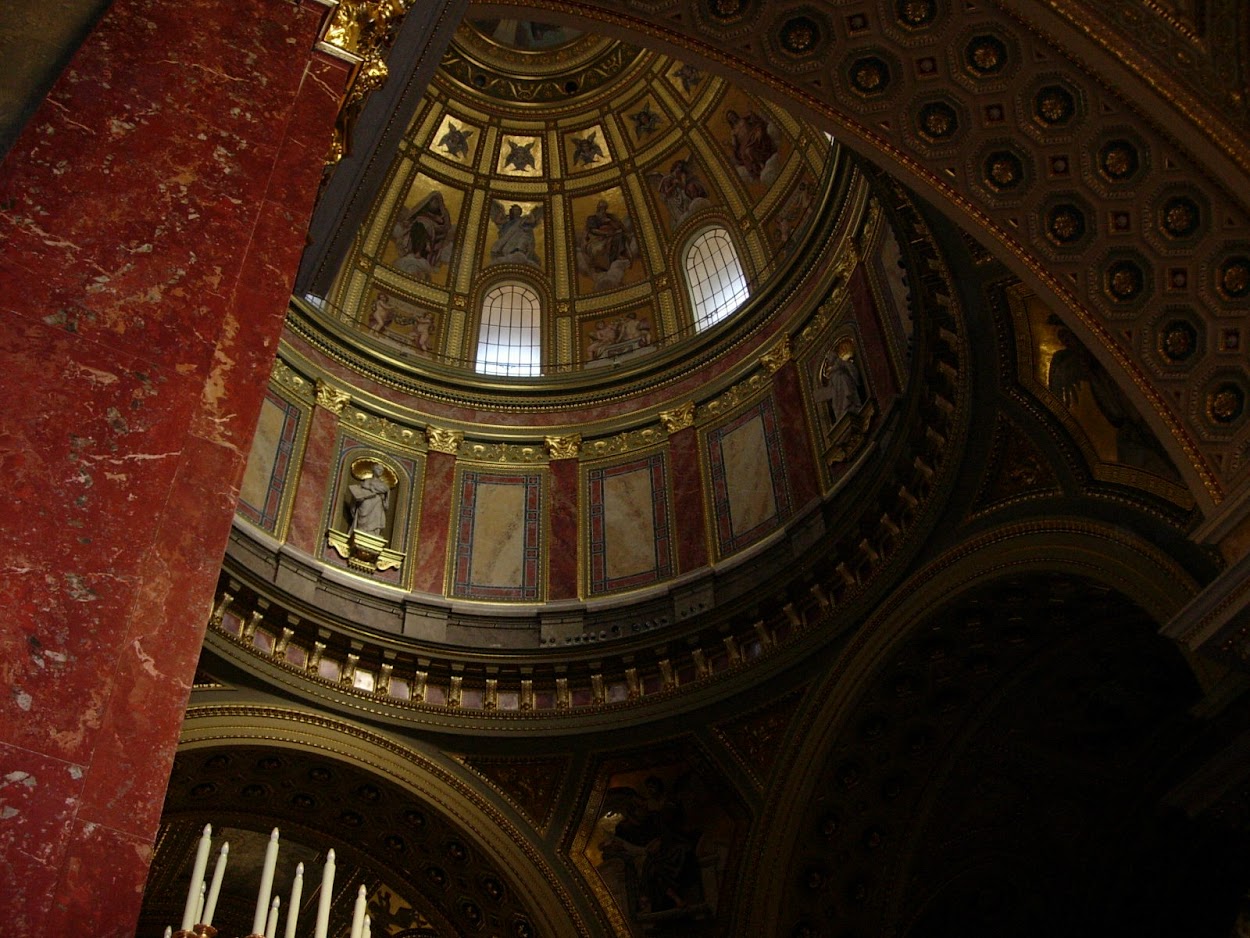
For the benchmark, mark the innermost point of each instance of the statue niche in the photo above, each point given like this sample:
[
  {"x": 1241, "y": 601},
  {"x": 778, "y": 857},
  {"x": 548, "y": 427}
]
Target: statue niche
[{"x": 367, "y": 516}]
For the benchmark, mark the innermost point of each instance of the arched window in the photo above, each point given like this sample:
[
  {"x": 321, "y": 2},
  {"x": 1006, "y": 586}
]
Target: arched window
[
  {"x": 510, "y": 339},
  {"x": 713, "y": 277}
]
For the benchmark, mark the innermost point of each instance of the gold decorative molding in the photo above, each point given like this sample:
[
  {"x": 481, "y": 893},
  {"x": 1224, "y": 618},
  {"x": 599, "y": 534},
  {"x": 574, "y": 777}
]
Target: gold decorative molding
[
  {"x": 777, "y": 356},
  {"x": 444, "y": 441},
  {"x": 364, "y": 29},
  {"x": 564, "y": 447},
  {"x": 285, "y": 377},
  {"x": 624, "y": 442},
  {"x": 736, "y": 395},
  {"x": 331, "y": 398},
  {"x": 383, "y": 428},
  {"x": 679, "y": 418},
  {"x": 502, "y": 452}
]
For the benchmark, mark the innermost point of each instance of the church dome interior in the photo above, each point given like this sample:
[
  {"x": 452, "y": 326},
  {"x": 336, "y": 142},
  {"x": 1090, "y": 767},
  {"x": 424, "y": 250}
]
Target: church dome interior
[{"x": 656, "y": 467}]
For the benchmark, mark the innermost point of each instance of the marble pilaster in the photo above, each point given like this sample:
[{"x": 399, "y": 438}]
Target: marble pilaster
[{"x": 153, "y": 212}]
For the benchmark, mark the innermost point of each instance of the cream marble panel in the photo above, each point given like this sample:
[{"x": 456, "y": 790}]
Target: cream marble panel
[
  {"x": 498, "y": 536},
  {"x": 748, "y": 478},
  {"x": 260, "y": 461},
  {"x": 629, "y": 520}
]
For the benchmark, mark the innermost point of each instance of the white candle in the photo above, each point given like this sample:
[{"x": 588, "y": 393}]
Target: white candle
[
  {"x": 358, "y": 915},
  {"x": 197, "y": 877},
  {"x": 266, "y": 884},
  {"x": 368, "y": 927},
  {"x": 199, "y": 903},
  {"x": 210, "y": 906},
  {"x": 169, "y": 931},
  {"x": 297, "y": 892},
  {"x": 271, "y": 927},
  {"x": 323, "y": 901}
]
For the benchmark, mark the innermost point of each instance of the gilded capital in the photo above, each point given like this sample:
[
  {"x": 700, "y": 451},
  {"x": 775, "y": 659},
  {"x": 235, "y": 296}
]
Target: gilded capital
[
  {"x": 564, "y": 447},
  {"x": 331, "y": 398},
  {"x": 778, "y": 355},
  {"x": 444, "y": 441},
  {"x": 677, "y": 419}
]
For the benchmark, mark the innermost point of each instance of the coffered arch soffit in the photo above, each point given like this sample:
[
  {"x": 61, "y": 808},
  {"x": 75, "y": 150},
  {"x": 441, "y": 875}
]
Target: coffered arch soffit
[
  {"x": 1094, "y": 174},
  {"x": 1110, "y": 559}
]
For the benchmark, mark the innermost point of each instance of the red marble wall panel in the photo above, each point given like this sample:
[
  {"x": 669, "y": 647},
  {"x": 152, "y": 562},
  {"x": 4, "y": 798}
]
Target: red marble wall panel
[
  {"x": 437, "y": 495},
  {"x": 683, "y": 449},
  {"x": 875, "y": 353},
  {"x": 796, "y": 435},
  {"x": 153, "y": 214},
  {"x": 307, "y": 510},
  {"x": 562, "y": 506}
]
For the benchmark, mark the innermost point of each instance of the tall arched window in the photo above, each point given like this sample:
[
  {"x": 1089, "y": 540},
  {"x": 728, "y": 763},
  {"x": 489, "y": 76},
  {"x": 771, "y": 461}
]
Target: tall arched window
[
  {"x": 510, "y": 340},
  {"x": 714, "y": 277}
]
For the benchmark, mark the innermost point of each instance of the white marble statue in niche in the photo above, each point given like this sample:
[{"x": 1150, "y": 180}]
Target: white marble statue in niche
[{"x": 371, "y": 497}]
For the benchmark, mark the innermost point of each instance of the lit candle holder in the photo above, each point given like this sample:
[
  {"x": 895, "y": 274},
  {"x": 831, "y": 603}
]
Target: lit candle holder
[
  {"x": 266, "y": 884},
  {"x": 197, "y": 878},
  {"x": 297, "y": 893},
  {"x": 210, "y": 906},
  {"x": 323, "y": 901},
  {"x": 358, "y": 915},
  {"x": 271, "y": 927}
]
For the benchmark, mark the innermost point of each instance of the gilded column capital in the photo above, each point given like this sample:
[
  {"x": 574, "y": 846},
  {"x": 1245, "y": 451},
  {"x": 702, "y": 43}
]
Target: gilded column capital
[
  {"x": 444, "y": 441},
  {"x": 777, "y": 356},
  {"x": 564, "y": 447},
  {"x": 331, "y": 398},
  {"x": 678, "y": 418}
]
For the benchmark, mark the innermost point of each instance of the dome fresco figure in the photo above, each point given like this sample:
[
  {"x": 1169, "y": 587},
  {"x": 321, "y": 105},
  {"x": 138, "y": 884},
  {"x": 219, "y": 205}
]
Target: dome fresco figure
[
  {"x": 682, "y": 190},
  {"x": 607, "y": 247},
  {"x": 754, "y": 149},
  {"x": 515, "y": 243},
  {"x": 425, "y": 235}
]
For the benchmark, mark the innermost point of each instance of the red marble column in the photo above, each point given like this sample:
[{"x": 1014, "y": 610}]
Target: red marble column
[
  {"x": 152, "y": 216},
  {"x": 683, "y": 451},
  {"x": 562, "y": 554},
  {"x": 437, "y": 497}
]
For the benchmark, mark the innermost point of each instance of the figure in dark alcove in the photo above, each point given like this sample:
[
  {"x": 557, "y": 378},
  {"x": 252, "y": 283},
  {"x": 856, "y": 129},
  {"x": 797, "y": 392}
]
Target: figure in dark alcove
[
  {"x": 652, "y": 829},
  {"x": 1072, "y": 366}
]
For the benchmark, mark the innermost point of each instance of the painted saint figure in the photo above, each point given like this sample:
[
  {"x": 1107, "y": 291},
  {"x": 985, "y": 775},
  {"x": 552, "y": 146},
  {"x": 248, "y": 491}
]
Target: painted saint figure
[
  {"x": 425, "y": 235},
  {"x": 681, "y": 189},
  {"x": 370, "y": 499},
  {"x": 607, "y": 247},
  {"x": 753, "y": 147},
  {"x": 1073, "y": 366},
  {"x": 515, "y": 243}
]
